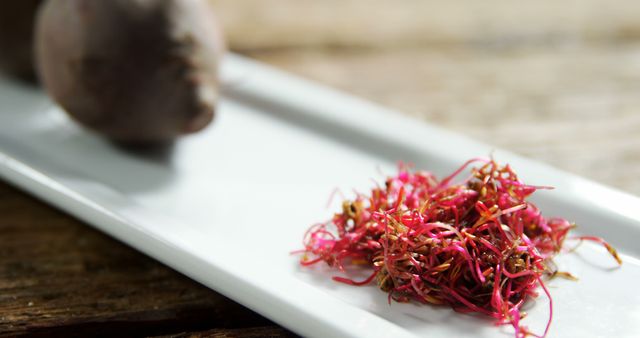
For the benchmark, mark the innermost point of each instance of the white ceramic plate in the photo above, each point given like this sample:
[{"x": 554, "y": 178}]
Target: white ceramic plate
[{"x": 226, "y": 206}]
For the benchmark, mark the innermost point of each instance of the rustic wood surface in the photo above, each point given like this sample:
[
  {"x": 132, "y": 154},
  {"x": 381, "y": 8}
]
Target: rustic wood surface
[
  {"x": 553, "y": 80},
  {"x": 60, "y": 277},
  {"x": 253, "y": 332}
]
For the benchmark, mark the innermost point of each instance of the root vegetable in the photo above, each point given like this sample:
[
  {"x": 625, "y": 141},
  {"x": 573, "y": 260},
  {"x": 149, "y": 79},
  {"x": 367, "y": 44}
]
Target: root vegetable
[{"x": 137, "y": 71}]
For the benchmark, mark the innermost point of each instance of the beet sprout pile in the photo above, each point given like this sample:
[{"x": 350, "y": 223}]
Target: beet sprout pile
[{"x": 478, "y": 246}]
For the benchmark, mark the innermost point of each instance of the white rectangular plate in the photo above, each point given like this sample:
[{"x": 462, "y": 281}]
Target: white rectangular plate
[{"x": 226, "y": 206}]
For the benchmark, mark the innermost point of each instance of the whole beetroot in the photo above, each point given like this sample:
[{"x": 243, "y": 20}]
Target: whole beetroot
[{"x": 137, "y": 71}]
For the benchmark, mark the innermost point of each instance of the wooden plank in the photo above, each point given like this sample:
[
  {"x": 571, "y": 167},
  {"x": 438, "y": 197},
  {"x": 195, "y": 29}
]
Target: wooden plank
[
  {"x": 385, "y": 24},
  {"x": 61, "y": 277},
  {"x": 254, "y": 332}
]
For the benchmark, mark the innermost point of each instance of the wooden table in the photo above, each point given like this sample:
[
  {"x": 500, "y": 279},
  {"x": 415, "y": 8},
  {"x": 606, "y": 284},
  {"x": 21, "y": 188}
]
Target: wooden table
[{"x": 556, "y": 81}]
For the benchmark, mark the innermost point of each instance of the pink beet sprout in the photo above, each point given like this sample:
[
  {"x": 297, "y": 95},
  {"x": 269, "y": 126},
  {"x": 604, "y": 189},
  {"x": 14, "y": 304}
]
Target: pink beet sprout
[{"x": 477, "y": 246}]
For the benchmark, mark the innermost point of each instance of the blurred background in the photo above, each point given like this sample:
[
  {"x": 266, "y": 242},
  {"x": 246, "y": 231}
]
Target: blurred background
[{"x": 557, "y": 81}]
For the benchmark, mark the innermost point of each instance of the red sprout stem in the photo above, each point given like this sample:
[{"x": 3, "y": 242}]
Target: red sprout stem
[
  {"x": 546, "y": 291},
  {"x": 607, "y": 246},
  {"x": 352, "y": 282}
]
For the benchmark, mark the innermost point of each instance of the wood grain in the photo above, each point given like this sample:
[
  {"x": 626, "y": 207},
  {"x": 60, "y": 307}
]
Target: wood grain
[
  {"x": 256, "y": 332},
  {"x": 60, "y": 277},
  {"x": 393, "y": 24}
]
